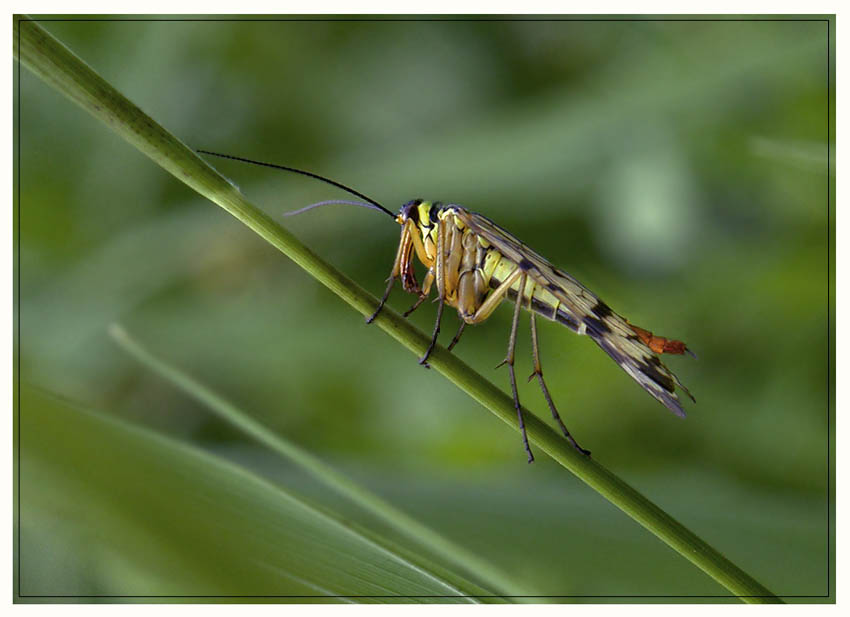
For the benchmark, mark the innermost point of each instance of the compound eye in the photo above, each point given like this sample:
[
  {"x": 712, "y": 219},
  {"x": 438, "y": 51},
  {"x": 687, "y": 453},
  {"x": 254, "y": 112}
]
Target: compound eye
[{"x": 409, "y": 208}]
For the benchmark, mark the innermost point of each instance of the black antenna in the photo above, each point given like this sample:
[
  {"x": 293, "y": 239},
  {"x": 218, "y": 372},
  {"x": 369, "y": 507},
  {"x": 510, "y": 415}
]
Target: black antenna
[{"x": 303, "y": 173}]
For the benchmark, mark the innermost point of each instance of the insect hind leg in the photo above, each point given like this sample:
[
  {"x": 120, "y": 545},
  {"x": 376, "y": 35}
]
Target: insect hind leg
[
  {"x": 509, "y": 360},
  {"x": 538, "y": 372}
]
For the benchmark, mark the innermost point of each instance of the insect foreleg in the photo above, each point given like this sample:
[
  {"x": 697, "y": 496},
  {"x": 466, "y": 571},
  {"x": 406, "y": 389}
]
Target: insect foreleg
[
  {"x": 440, "y": 266},
  {"x": 538, "y": 372},
  {"x": 423, "y": 295},
  {"x": 509, "y": 360},
  {"x": 402, "y": 259},
  {"x": 390, "y": 283}
]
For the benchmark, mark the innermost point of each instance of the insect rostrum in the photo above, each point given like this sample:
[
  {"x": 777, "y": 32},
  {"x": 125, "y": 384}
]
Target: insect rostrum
[{"x": 475, "y": 265}]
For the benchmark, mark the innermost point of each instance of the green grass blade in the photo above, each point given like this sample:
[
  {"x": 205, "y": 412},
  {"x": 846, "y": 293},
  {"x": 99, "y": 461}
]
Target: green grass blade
[
  {"x": 58, "y": 66},
  {"x": 403, "y": 523},
  {"x": 171, "y": 519}
]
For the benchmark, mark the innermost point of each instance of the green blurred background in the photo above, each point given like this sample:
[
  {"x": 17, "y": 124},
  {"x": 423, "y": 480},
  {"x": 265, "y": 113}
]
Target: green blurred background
[{"x": 679, "y": 169}]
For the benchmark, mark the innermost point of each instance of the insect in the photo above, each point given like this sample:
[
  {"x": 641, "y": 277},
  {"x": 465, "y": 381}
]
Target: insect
[{"x": 475, "y": 265}]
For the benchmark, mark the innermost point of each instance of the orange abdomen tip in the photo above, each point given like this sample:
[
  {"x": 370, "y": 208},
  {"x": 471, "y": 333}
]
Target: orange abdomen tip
[{"x": 660, "y": 344}]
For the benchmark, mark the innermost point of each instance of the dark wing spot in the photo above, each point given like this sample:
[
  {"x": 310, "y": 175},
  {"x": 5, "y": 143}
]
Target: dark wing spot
[
  {"x": 525, "y": 264},
  {"x": 547, "y": 310},
  {"x": 566, "y": 319},
  {"x": 650, "y": 370},
  {"x": 596, "y": 325},
  {"x": 552, "y": 287},
  {"x": 540, "y": 308},
  {"x": 602, "y": 310}
]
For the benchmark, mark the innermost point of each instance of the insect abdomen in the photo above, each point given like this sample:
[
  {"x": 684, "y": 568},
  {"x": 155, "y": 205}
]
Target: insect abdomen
[{"x": 542, "y": 301}]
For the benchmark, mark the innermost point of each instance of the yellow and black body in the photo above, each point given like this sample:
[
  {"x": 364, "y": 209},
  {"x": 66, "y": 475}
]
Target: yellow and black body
[{"x": 474, "y": 265}]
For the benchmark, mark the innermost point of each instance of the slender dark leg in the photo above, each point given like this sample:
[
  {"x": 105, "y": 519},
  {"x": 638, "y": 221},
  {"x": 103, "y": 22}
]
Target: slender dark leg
[
  {"x": 383, "y": 301},
  {"x": 423, "y": 294},
  {"x": 400, "y": 268},
  {"x": 457, "y": 336},
  {"x": 436, "y": 333},
  {"x": 415, "y": 306},
  {"x": 440, "y": 267},
  {"x": 538, "y": 372},
  {"x": 509, "y": 360}
]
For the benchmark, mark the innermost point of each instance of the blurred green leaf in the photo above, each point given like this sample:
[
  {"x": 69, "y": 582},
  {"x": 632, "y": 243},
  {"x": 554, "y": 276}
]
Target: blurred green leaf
[
  {"x": 159, "y": 518},
  {"x": 408, "y": 526}
]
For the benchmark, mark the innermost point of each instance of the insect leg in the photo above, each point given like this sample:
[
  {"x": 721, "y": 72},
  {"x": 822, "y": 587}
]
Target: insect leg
[
  {"x": 483, "y": 312},
  {"x": 494, "y": 298},
  {"x": 402, "y": 253},
  {"x": 390, "y": 283},
  {"x": 415, "y": 305},
  {"x": 509, "y": 360},
  {"x": 441, "y": 289},
  {"x": 457, "y": 335},
  {"x": 423, "y": 295},
  {"x": 538, "y": 372}
]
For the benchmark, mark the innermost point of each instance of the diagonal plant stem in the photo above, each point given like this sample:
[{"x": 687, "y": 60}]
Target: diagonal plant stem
[
  {"x": 50, "y": 60},
  {"x": 357, "y": 494}
]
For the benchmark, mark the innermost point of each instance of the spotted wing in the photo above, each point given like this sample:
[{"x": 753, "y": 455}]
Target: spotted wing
[{"x": 610, "y": 331}]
